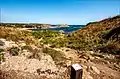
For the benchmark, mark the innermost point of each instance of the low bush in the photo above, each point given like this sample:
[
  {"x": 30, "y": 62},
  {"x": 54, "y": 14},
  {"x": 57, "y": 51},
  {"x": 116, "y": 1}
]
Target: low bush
[
  {"x": 1, "y": 50},
  {"x": 57, "y": 56},
  {"x": 16, "y": 35},
  {"x": 1, "y": 57},
  {"x": 47, "y": 36},
  {"x": 14, "y": 51}
]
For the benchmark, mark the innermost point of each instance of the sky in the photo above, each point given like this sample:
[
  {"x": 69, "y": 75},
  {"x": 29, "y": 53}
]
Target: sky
[{"x": 57, "y": 11}]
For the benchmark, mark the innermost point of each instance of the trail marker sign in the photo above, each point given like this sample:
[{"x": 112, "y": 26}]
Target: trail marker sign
[{"x": 76, "y": 71}]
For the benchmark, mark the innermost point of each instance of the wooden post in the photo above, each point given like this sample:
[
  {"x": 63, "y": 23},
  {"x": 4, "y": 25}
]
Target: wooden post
[{"x": 76, "y": 71}]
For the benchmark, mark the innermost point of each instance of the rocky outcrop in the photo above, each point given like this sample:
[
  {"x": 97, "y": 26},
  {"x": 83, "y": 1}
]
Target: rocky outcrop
[
  {"x": 44, "y": 67},
  {"x": 30, "y": 61},
  {"x": 95, "y": 70},
  {"x": 7, "y": 44}
]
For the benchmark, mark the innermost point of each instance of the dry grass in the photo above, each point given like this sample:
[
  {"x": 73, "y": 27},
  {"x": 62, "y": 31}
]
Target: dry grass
[
  {"x": 16, "y": 35},
  {"x": 90, "y": 37}
]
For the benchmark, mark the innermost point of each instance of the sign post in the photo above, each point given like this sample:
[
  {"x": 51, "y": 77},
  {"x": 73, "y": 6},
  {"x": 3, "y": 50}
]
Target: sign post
[{"x": 76, "y": 71}]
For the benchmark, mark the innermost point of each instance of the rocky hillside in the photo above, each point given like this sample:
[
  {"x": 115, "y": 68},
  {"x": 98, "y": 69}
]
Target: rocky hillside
[
  {"x": 24, "y": 61},
  {"x": 91, "y": 36},
  {"x": 20, "y": 59},
  {"x": 22, "y": 55},
  {"x": 102, "y": 38}
]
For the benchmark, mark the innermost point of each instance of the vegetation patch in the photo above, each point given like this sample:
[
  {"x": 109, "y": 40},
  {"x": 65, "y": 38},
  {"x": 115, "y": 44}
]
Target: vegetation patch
[
  {"x": 1, "y": 56},
  {"x": 16, "y": 35},
  {"x": 14, "y": 51},
  {"x": 1, "y": 50},
  {"x": 57, "y": 56},
  {"x": 26, "y": 47},
  {"x": 91, "y": 37},
  {"x": 47, "y": 36}
]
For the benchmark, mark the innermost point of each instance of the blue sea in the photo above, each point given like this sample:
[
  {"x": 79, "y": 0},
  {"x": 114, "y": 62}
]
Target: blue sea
[{"x": 66, "y": 30}]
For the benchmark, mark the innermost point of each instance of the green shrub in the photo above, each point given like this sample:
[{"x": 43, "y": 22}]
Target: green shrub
[
  {"x": 16, "y": 35},
  {"x": 1, "y": 50},
  {"x": 57, "y": 56},
  {"x": 1, "y": 56},
  {"x": 14, "y": 51},
  {"x": 45, "y": 33},
  {"x": 47, "y": 36}
]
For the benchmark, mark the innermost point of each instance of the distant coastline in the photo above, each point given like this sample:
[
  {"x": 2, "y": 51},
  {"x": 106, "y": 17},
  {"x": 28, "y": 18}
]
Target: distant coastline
[
  {"x": 36, "y": 27},
  {"x": 65, "y": 30}
]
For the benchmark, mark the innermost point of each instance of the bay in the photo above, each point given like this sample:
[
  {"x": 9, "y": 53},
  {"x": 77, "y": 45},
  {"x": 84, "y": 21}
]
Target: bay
[{"x": 66, "y": 30}]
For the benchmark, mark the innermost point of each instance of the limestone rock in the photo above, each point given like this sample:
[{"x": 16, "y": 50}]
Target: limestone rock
[
  {"x": 44, "y": 67},
  {"x": 95, "y": 70},
  {"x": 26, "y": 53},
  {"x": 2, "y": 43},
  {"x": 7, "y": 44}
]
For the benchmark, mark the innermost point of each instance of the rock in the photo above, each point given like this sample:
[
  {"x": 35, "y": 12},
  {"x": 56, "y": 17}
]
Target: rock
[
  {"x": 97, "y": 57},
  {"x": 43, "y": 67},
  {"x": 1, "y": 39},
  {"x": 30, "y": 65},
  {"x": 26, "y": 53},
  {"x": 2, "y": 43},
  {"x": 85, "y": 67},
  {"x": 22, "y": 44},
  {"x": 68, "y": 63},
  {"x": 86, "y": 74},
  {"x": 47, "y": 63},
  {"x": 88, "y": 69},
  {"x": 91, "y": 52},
  {"x": 7, "y": 55},
  {"x": 95, "y": 70},
  {"x": 92, "y": 58},
  {"x": 18, "y": 75},
  {"x": 89, "y": 77},
  {"x": 7, "y": 44}
]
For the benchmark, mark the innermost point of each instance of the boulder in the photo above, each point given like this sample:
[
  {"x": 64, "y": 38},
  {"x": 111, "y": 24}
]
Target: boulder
[
  {"x": 7, "y": 44},
  {"x": 44, "y": 67}
]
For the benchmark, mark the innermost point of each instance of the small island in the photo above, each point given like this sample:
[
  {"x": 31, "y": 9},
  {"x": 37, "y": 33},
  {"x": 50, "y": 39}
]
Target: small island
[{"x": 62, "y": 25}]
